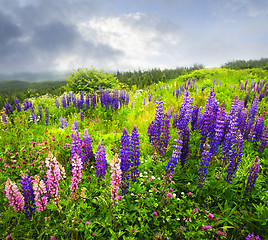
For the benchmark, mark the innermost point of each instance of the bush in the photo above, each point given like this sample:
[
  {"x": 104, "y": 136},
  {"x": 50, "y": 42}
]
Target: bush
[{"x": 89, "y": 80}]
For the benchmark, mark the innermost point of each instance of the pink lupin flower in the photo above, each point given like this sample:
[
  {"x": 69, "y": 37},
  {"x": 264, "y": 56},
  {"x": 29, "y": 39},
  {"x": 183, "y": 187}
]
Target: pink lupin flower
[
  {"x": 53, "y": 176},
  {"x": 40, "y": 193},
  {"x": 76, "y": 171},
  {"x": 116, "y": 178},
  {"x": 15, "y": 198}
]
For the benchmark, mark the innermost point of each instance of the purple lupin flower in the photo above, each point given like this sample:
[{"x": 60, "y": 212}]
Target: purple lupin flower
[
  {"x": 28, "y": 194},
  {"x": 76, "y": 145},
  {"x": 75, "y": 125},
  {"x": 185, "y": 111},
  {"x": 81, "y": 114},
  {"x": 205, "y": 160},
  {"x": 33, "y": 115},
  {"x": 264, "y": 139},
  {"x": 194, "y": 117},
  {"x": 67, "y": 100},
  {"x": 185, "y": 145},
  {"x": 82, "y": 99},
  {"x": 93, "y": 100},
  {"x": 87, "y": 100},
  {"x": 176, "y": 155},
  {"x": 175, "y": 120},
  {"x": 135, "y": 154},
  {"x": 165, "y": 137},
  {"x": 115, "y": 99},
  {"x": 46, "y": 115},
  {"x": 8, "y": 108},
  {"x": 253, "y": 174},
  {"x": 229, "y": 141},
  {"x": 63, "y": 122},
  {"x": 149, "y": 97},
  {"x": 40, "y": 111},
  {"x": 209, "y": 118},
  {"x": 125, "y": 160},
  {"x": 18, "y": 107},
  {"x": 87, "y": 148},
  {"x": 177, "y": 92},
  {"x": 63, "y": 101},
  {"x": 235, "y": 157},
  {"x": 100, "y": 161},
  {"x": 219, "y": 129},
  {"x": 57, "y": 103},
  {"x": 4, "y": 118},
  {"x": 252, "y": 237},
  {"x": 258, "y": 129},
  {"x": 156, "y": 127},
  {"x": 251, "y": 117}
]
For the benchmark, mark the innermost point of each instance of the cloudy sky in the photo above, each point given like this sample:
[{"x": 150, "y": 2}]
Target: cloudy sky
[{"x": 61, "y": 35}]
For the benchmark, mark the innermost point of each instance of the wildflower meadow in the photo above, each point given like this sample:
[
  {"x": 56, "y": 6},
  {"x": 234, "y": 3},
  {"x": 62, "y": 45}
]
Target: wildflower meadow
[{"x": 181, "y": 159}]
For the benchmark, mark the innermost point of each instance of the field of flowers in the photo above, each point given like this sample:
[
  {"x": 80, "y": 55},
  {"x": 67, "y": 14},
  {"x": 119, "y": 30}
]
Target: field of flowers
[{"x": 185, "y": 159}]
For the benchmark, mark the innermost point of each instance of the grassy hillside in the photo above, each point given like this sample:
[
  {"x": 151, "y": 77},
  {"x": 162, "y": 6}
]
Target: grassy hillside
[{"x": 198, "y": 199}]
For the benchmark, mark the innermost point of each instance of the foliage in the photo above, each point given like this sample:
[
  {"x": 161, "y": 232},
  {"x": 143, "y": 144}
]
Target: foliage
[
  {"x": 156, "y": 206},
  {"x": 242, "y": 64},
  {"x": 89, "y": 80}
]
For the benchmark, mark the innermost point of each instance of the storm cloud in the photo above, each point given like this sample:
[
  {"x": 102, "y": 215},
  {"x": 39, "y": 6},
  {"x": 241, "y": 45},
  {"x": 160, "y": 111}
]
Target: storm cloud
[{"x": 46, "y": 36}]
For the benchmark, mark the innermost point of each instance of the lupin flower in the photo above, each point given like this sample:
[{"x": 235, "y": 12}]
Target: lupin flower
[
  {"x": 219, "y": 130},
  {"x": 63, "y": 101},
  {"x": 264, "y": 139},
  {"x": 8, "y": 108},
  {"x": 28, "y": 194},
  {"x": 46, "y": 115},
  {"x": 18, "y": 107},
  {"x": 176, "y": 155},
  {"x": 33, "y": 115},
  {"x": 87, "y": 148},
  {"x": 252, "y": 237},
  {"x": 185, "y": 111},
  {"x": 87, "y": 100},
  {"x": 194, "y": 117},
  {"x": 229, "y": 141},
  {"x": 258, "y": 129},
  {"x": 235, "y": 157},
  {"x": 155, "y": 130},
  {"x": 116, "y": 178},
  {"x": 205, "y": 160},
  {"x": 165, "y": 137},
  {"x": 125, "y": 160},
  {"x": 251, "y": 117},
  {"x": 253, "y": 174},
  {"x": 57, "y": 103},
  {"x": 93, "y": 100},
  {"x": 40, "y": 193},
  {"x": 185, "y": 145},
  {"x": 76, "y": 145},
  {"x": 101, "y": 161},
  {"x": 81, "y": 114},
  {"x": 76, "y": 173},
  {"x": 40, "y": 111},
  {"x": 53, "y": 176},
  {"x": 135, "y": 154},
  {"x": 15, "y": 198},
  {"x": 4, "y": 118},
  {"x": 63, "y": 122}
]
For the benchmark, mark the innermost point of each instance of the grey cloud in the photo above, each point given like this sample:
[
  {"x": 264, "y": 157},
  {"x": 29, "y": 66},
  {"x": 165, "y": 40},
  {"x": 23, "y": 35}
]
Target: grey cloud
[
  {"x": 54, "y": 36},
  {"x": 36, "y": 34}
]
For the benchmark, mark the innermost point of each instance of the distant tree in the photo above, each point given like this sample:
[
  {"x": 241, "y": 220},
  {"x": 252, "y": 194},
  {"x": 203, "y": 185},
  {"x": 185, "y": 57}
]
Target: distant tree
[{"x": 89, "y": 80}]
